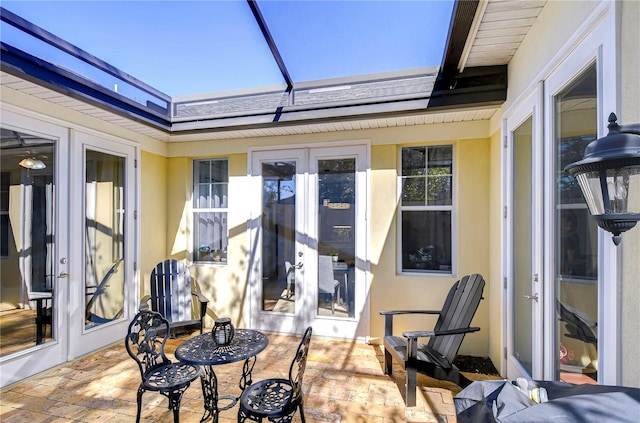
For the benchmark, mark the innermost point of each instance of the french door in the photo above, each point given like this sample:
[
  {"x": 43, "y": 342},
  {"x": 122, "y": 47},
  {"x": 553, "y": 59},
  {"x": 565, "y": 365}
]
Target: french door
[
  {"x": 68, "y": 243},
  {"x": 103, "y": 293},
  {"x": 308, "y": 241},
  {"x": 524, "y": 288},
  {"x": 34, "y": 246}
]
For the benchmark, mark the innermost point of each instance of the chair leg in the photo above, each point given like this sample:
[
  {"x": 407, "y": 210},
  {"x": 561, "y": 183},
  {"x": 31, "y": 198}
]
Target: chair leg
[
  {"x": 140, "y": 392},
  {"x": 411, "y": 387},
  {"x": 174, "y": 402},
  {"x": 301, "y": 413}
]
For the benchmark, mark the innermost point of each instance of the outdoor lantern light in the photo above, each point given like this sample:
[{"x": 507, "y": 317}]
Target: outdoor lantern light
[{"x": 609, "y": 177}]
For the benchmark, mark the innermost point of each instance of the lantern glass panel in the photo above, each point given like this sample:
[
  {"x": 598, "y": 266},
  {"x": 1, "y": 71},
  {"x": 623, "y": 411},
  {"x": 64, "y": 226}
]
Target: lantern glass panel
[
  {"x": 631, "y": 178},
  {"x": 590, "y": 185}
]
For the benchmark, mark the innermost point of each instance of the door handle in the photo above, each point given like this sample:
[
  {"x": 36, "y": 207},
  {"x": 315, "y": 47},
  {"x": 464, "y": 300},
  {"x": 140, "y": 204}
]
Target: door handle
[
  {"x": 531, "y": 297},
  {"x": 63, "y": 275},
  {"x": 299, "y": 265}
]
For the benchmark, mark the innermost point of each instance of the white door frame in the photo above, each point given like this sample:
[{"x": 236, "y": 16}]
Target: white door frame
[{"x": 354, "y": 328}]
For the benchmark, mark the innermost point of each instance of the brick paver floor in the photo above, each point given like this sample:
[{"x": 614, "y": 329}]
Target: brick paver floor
[{"x": 344, "y": 382}]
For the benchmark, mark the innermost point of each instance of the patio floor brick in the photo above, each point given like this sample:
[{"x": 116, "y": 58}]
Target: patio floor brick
[{"x": 343, "y": 382}]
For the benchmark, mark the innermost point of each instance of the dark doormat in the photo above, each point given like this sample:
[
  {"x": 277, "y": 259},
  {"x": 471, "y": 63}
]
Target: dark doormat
[{"x": 472, "y": 364}]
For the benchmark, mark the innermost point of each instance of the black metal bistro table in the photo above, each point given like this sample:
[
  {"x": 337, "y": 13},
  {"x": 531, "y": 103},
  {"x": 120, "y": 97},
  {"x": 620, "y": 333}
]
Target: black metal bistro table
[{"x": 204, "y": 351}]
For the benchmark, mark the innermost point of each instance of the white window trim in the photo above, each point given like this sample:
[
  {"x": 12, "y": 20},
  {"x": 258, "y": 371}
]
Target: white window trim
[{"x": 452, "y": 208}]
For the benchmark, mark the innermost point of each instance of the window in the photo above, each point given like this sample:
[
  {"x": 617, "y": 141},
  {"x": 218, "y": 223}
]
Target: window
[
  {"x": 425, "y": 209},
  {"x": 210, "y": 203}
]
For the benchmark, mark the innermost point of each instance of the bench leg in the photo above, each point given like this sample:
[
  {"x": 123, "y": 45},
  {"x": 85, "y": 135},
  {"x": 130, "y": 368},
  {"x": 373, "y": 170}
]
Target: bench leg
[{"x": 410, "y": 397}]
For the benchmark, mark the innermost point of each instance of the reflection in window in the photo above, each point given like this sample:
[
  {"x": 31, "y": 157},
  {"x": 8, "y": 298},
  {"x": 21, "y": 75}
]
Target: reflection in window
[
  {"x": 27, "y": 241},
  {"x": 575, "y": 235},
  {"x": 278, "y": 236},
  {"x": 426, "y": 207},
  {"x": 210, "y": 203},
  {"x": 104, "y": 237}
]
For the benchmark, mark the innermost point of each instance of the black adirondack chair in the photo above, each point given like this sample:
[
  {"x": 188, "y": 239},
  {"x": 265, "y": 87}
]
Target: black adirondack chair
[
  {"x": 435, "y": 359},
  {"x": 171, "y": 293}
]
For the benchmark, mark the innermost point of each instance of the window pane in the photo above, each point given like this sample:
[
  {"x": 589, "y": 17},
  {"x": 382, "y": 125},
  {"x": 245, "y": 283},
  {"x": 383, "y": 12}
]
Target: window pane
[
  {"x": 440, "y": 157},
  {"x": 203, "y": 172},
  {"x": 439, "y": 190},
  {"x": 220, "y": 171},
  {"x": 201, "y": 200},
  {"x": 210, "y": 236},
  {"x": 426, "y": 240},
  {"x": 414, "y": 161},
  {"x": 219, "y": 195},
  {"x": 413, "y": 192}
]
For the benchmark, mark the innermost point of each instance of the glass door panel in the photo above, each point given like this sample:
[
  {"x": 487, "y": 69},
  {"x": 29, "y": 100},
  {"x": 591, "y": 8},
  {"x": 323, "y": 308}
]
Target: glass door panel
[
  {"x": 336, "y": 237},
  {"x": 28, "y": 304},
  {"x": 278, "y": 236},
  {"x": 523, "y": 289},
  {"x": 104, "y": 238},
  {"x": 575, "y": 236}
]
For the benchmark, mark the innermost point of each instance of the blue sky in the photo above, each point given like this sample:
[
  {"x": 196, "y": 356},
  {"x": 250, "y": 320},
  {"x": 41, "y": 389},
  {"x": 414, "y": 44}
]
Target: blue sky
[{"x": 194, "y": 47}]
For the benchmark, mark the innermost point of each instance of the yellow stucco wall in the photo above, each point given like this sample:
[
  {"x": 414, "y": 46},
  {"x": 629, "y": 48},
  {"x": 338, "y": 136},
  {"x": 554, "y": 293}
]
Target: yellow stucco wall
[
  {"x": 225, "y": 285},
  {"x": 557, "y": 22},
  {"x": 153, "y": 215},
  {"x": 390, "y": 290}
]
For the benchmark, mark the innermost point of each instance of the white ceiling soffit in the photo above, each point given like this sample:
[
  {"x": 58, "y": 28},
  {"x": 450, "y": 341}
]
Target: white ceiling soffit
[
  {"x": 497, "y": 31},
  {"x": 462, "y": 115}
]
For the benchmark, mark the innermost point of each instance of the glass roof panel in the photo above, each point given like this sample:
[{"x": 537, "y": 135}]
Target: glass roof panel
[
  {"x": 332, "y": 39},
  {"x": 192, "y": 48},
  {"x": 177, "y": 47}
]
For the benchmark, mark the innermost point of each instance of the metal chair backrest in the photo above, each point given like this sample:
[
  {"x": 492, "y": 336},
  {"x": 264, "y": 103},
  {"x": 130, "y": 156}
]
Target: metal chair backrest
[
  {"x": 171, "y": 291},
  {"x": 298, "y": 365},
  {"x": 145, "y": 340},
  {"x": 458, "y": 311}
]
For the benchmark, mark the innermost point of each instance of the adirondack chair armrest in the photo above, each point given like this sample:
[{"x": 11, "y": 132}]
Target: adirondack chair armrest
[
  {"x": 388, "y": 317},
  {"x": 430, "y": 333},
  {"x": 144, "y": 302},
  {"x": 203, "y": 302},
  {"x": 395, "y": 312}
]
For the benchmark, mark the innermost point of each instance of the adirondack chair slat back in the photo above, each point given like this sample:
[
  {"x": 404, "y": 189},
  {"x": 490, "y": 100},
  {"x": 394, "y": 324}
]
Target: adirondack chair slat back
[
  {"x": 171, "y": 290},
  {"x": 458, "y": 310}
]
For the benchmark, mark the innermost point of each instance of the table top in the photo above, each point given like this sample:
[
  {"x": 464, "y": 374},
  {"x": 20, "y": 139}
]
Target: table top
[{"x": 203, "y": 350}]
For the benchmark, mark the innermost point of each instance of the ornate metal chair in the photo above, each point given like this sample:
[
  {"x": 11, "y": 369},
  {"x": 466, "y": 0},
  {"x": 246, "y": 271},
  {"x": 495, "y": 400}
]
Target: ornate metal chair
[
  {"x": 148, "y": 332},
  {"x": 277, "y": 399}
]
